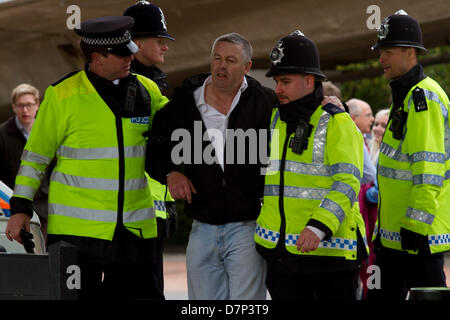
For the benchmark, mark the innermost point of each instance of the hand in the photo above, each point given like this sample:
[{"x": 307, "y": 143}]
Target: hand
[
  {"x": 413, "y": 241},
  {"x": 308, "y": 241},
  {"x": 334, "y": 100},
  {"x": 15, "y": 224},
  {"x": 180, "y": 186}
]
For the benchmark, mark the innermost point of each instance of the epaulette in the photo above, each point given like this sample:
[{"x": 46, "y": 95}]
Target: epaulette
[
  {"x": 332, "y": 109},
  {"x": 420, "y": 102},
  {"x": 64, "y": 78}
]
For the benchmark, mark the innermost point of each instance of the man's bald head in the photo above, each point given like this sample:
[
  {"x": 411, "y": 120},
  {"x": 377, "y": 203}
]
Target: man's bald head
[{"x": 361, "y": 113}]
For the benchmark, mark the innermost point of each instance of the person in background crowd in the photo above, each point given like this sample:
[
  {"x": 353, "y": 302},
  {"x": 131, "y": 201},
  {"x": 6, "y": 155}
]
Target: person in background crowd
[
  {"x": 330, "y": 89},
  {"x": 368, "y": 199},
  {"x": 14, "y": 134},
  {"x": 361, "y": 113},
  {"x": 379, "y": 126}
]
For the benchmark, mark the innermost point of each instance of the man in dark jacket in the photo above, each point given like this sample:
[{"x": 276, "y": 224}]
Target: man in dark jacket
[
  {"x": 216, "y": 168},
  {"x": 13, "y": 135}
]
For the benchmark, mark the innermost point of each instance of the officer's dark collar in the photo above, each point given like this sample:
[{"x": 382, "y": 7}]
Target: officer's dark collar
[
  {"x": 152, "y": 72},
  {"x": 409, "y": 79},
  {"x": 96, "y": 79},
  {"x": 401, "y": 86},
  {"x": 303, "y": 107}
]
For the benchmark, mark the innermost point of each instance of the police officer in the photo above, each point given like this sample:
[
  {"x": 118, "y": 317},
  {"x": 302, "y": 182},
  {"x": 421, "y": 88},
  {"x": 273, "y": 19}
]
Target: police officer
[
  {"x": 93, "y": 122},
  {"x": 309, "y": 229},
  {"x": 149, "y": 32},
  {"x": 413, "y": 168}
]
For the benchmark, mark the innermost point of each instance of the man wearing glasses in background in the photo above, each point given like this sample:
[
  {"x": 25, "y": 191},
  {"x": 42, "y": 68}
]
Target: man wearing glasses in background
[{"x": 14, "y": 134}]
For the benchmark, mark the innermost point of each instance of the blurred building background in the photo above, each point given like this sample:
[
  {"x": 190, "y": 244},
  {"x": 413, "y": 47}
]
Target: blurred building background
[{"x": 37, "y": 47}]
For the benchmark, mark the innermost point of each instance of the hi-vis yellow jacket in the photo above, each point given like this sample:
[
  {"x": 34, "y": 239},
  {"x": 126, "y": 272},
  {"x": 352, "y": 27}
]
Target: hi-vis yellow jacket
[
  {"x": 322, "y": 184},
  {"x": 97, "y": 155},
  {"x": 414, "y": 173}
]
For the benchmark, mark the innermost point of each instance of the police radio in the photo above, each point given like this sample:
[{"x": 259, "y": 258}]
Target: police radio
[
  {"x": 299, "y": 141},
  {"x": 399, "y": 118}
]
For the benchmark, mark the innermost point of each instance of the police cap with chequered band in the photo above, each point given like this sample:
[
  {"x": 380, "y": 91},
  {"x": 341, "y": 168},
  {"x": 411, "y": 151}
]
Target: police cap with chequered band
[
  {"x": 295, "y": 53},
  {"x": 149, "y": 21},
  {"x": 400, "y": 30},
  {"x": 109, "y": 33}
]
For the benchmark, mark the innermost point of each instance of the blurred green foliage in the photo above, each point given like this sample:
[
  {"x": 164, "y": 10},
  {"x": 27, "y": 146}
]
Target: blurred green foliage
[{"x": 376, "y": 91}]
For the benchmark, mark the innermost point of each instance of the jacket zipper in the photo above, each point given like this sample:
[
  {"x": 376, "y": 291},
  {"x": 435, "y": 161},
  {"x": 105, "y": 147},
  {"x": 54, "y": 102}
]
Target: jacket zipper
[
  {"x": 120, "y": 196},
  {"x": 281, "y": 195}
]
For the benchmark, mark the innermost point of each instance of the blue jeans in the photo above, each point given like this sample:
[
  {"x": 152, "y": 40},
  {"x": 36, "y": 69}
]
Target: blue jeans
[{"x": 222, "y": 262}]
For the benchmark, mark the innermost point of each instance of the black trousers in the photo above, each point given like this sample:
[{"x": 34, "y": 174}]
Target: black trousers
[
  {"x": 118, "y": 280},
  {"x": 128, "y": 267},
  {"x": 318, "y": 286},
  {"x": 400, "y": 272}
]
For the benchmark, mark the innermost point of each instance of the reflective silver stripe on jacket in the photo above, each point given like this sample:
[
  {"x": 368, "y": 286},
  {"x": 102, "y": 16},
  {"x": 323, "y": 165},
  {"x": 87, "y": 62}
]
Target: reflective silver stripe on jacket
[
  {"x": 30, "y": 172},
  {"x": 35, "y": 157},
  {"x": 395, "y": 154},
  {"x": 406, "y": 175},
  {"x": 394, "y": 173},
  {"x": 319, "y": 136},
  {"x": 100, "y": 153},
  {"x": 24, "y": 191},
  {"x": 320, "y": 139},
  {"x": 316, "y": 169},
  {"x": 428, "y": 179},
  {"x": 430, "y": 95},
  {"x": 346, "y": 189},
  {"x": 100, "y": 215},
  {"x": 334, "y": 208},
  {"x": 296, "y": 192},
  {"x": 428, "y": 157},
  {"x": 274, "y": 122},
  {"x": 419, "y": 215},
  {"x": 291, "y": 239},
  {"x": 98, "y": 183}
]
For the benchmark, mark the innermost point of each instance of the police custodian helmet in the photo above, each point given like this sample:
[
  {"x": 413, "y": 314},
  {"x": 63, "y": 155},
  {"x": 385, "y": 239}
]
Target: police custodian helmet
[
  {"x": 109, "y": 33},
  {"x": 400, "y": 30},
  {"x": 295, "y": 53},
  {"x": 149, "y": 21}
]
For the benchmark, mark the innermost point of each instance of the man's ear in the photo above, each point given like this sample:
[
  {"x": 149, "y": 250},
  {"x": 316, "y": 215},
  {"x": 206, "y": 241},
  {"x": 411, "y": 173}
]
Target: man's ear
[
  {"x": 97, "y": 57},
  {"x": 248, "y": 66},
  {"x": 310, "y": 80},
  {"x": 138, "y": 42}
]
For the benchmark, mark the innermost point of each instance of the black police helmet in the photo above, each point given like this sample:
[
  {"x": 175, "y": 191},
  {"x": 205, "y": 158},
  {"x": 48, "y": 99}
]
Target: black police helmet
[
  {"x": 149, "y": 21},
  {"x": 295, "y": 54},
  {"x": 109, "y": 33},
  {"x": 400, "y": 30}
]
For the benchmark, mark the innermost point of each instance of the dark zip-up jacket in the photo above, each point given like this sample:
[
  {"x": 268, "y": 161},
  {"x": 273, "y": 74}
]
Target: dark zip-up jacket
[
  {"x": 223, "y": 196},
  {"x": 152, "y": 72}
]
